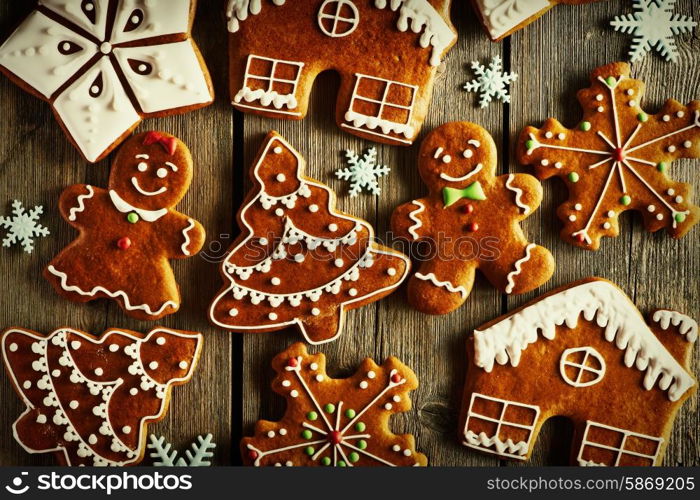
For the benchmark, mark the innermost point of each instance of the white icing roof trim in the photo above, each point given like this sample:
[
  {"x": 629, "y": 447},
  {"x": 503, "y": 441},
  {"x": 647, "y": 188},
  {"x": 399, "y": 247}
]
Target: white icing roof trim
[
  {"x": 687, "y": 326},
  {"x": 505, "y": 341},
  {"x": 238, "y": 10}
]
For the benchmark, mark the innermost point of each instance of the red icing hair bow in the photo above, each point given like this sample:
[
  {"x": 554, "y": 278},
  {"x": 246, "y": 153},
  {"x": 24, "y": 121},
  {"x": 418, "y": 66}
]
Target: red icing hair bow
[{"x": 168, "y": 143}]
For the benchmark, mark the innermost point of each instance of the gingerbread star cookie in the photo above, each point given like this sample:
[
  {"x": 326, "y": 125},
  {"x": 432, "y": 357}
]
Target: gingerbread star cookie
[
  {"x": 129, "y": 231},
  {"x": 90, "y": 399},
  {"x": 299, "y": 261},
  {"x": 335, "y": 422},
  {"x": 616, "y": 159},
  {"x": 470, "y": 220}
]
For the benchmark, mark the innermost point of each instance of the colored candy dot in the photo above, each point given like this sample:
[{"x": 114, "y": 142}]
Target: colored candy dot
[
  {"x": 330, "y": 408},
  {"x": 341, "y": 463},
  {"x": 360, "y": 426},
  {"x": 626, "y": 200},
  {"x": 642, "y": 117},
  {"x": 679, "y": 217},
  {"x": 123, "y": 243},
  {"x": 610, "y": 81},
  {"x": 661, "y": 166},
  {"x": 353, "y": 457},
  {"x": 573, "y": 177},
  {"x": 529, "y": 144},
  {"x": 306, "y": 434},
  {"x": 468, "y": 208},
  {"x": 312, "y": 415},
  {"x": 326, "y": 461},
  {"x": 362, "y": 444},
  {"x": 292, "y": 362},
  {"x": 350, "y": 413},
  {"x": 309, "y": 450},
  {"x": 396, "y": 378},
  {"x": 133, "y": 217},
  {"x": 472, "y": 227},
  {"x": 585, "y": 126},
  {"x": 252, "y": 454}
]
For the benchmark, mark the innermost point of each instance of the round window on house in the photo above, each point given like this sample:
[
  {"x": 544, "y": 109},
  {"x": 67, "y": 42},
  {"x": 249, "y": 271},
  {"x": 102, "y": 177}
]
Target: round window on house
[
  {"x": 582, "y": 366},
  {"x": 338, "y": 18}
]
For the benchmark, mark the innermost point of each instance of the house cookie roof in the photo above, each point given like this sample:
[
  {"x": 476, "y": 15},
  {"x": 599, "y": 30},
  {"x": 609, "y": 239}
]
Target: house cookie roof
[
  {"x": 418, "y": 15},
  {"x": 603, "y": 302}
]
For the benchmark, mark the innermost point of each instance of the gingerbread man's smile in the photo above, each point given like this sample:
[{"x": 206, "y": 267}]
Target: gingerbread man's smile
[{"x": 162, "y": 173}]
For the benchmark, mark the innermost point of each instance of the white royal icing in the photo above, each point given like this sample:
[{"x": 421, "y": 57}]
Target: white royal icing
[
  {"x": 686, "y": 326},
  {"x": 239, "y": 10},
  {"x": 518, "y": 194},
  {"x": 501, "y": 16},
  {"x": 619, "y": 446},
  {"x": 518, "y": 268},
  {"x": 73, "y": 12},
  {"x": 125, "y": 208},
  {"x": 81, "y": 204},
  {"x": 413, "y": 230},
  {"x": 598, "y": 300},
  {"x": 186, "y": 235},
  {"x": 443, "y": 284},
  {"x": 161, "y": 17}
]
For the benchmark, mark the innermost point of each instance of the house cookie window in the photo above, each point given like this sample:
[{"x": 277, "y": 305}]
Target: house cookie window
[
  {"x": 582, "y": 366},
  {"x": 607, "y": 445},
  {"x": 271, "y": 82},
  {"x": 338, "y": 18}
]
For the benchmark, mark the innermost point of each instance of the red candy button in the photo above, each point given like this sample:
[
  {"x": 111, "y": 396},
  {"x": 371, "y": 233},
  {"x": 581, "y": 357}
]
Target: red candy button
[
  {"x": 468, "y": 208},
  {"x": 252, "y": 454},
  {"x": 335, "y": 437},
  {"x": 292, "y": 363},
  {"x": 396, "y": 378},
  {"x": 124, "y": 243},
  {"x": 472, "y": 227}
]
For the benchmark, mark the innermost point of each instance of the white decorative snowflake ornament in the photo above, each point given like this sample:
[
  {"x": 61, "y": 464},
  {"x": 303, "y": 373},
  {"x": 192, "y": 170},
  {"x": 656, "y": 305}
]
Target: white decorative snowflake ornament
[
  {"x": 653, "y": 25},
  {"x": 491, "y": 82},
  {"x": 23, "y": 227},
  {"x": 198, "y": 457},
  {"x": 363, "y": 172},
  {"x": 105, "y": 64}
]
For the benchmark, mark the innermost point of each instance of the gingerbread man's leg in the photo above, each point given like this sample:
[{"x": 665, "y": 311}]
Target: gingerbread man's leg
[
  {"x": 519, "y": 268},
  {"x": 441, "y": 286}
]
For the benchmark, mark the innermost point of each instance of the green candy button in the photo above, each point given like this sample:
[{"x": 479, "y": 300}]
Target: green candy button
[
  {"x": 309, "y": 450},
  {"x": 529, "y": 144},
  {"x": 325, "y": 461},
  {"x": 350, "y": 413},
  {"x": 642, "y": 117},
  {"x": 610, "y": 81},
  {"x": 341, "y": 463},
  {"x": 330, "y": 408},
  {"x": 626, "y": 200},
  {"x": 661, "y": 166},
  {"x": 353, "y": 457},
  {"x": 133, "y": 217},
  {"x": 362, "y": 444},
  {"x": 585, "y": 126},
  {"x": 573, "y": 177},
  {"x": 360, "y": 426},
  {"x": 679, "y": 217},
  {"x": 312, "y": 415},
  {"x": 306, "y": 434}
]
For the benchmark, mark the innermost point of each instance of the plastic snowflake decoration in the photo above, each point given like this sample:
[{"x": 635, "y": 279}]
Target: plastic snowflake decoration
[
  {"x": 104, "y": 64},
  {"x": 491, "y": 82},
  {"x": 23, "y": 226},
  {"x": 653, "y": 26},
  {"x": 198, "y": 457},
  {"x": 363, "y": 172}
]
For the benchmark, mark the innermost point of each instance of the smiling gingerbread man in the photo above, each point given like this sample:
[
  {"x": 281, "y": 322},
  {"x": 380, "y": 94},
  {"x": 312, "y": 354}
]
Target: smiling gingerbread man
[
  {"x": 129, "y": 232},
  {"x": 469, "y": 221}
]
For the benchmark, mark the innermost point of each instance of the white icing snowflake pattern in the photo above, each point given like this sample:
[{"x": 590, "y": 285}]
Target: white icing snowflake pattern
[
  {"x": 202, "y": 451},
  {"x": 490, "y": 82},
  {"x": 653, "y": 25},
  {"x": 363, "y": 172},
  {"x": 23, "y": 226},
  {"x": 89, "y": 57}
]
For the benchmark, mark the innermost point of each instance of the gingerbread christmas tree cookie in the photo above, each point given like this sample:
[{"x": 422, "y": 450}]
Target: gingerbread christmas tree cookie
[
  {"x": 129, "y": 231},
  {"x": 616, "y": 159},
  {"x": 335, "y": 422},
  {"x": 90, "y": 399},
  {"x": 470, "y": 220},
  {"x": 299, "y": 261}
]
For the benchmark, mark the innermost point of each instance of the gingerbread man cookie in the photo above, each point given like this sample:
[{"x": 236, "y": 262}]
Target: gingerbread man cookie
[
  {"x": 130, "y": 230},
  {"x": 469, "y": 221},
  {"x": 299, "y": 261},
  {"x": 335, "y": 422},
  {"x": 90, "y": 399},
  {"x": 616, "y": 159}
]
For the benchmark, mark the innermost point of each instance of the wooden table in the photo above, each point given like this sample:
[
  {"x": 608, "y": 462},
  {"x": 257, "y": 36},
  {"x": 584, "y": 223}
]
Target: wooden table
[{"x": 553, "y": 58}]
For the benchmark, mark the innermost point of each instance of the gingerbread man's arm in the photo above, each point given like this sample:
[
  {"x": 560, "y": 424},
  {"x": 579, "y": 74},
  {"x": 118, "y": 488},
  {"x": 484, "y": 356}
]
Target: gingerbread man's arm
[
  {"x": 410, "y": 220},
  {"x": 524, "y": 192},
  {"x": 184, "y": 237},
  {"x": 74, "y": 203}
]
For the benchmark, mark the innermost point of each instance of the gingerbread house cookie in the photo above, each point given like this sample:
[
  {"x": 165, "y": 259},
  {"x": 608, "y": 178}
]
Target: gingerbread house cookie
[
  {"x": 299, "y": 261},
  {"x": 386, "y": 52},
  {"x": 90, "y": 399},
  {"x": 585, "y": 352},
  {"x": 104, "y": 65}
]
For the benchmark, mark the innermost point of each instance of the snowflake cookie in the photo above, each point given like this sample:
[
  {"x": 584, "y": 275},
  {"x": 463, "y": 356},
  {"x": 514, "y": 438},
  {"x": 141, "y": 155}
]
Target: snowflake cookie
[
  {"x": 202, "y": 451},
  {"x": 616, "y": 159},
  {"x": 299, "y": 261},
  {"x": 90, "y": 399},
  {"x": 490, "y": 82},
  {"x": 653, "y": 25},
  {"x": 335, "y": 422},
  {"x": 363, "y": 172},
  {"x": 23, "y": 227},
  {"x": 104, "y": 65}
]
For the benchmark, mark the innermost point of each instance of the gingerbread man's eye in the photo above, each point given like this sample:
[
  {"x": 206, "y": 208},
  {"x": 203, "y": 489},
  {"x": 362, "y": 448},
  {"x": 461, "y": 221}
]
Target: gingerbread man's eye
[
  {"x": 162, "y": 173},
  {"x": 468, "y": 153},
  {"x": 142, "y": 167},
  {"x": 444, "y": 158}
]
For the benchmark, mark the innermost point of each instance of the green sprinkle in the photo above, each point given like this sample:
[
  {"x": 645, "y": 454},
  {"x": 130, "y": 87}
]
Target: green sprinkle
[
  {"x": 325, "y": 461},
  {"x": 574, "y": 177},
  {"x": 661, "y": 166},
  {"x": 330, "y": 408},
  {"x": 360, "y": 426},
  {"x": 679, "y": 217},
  {"x": 309, "y": 450},
  {"x": 529, "y": 144},
  {"x": 312, "y": 415},
  {"x": 350, "y": 413},
  {"x": 585, "y": 126},
  {"x": 626, "y": 200},
  {"x": 610, "y": 81},
  {"x": 353, "y": 457},
  {"x": 306, "y": 434},
  {"x": 642, "y": 117},
  {"x": 362, "y": 444},
  {"x": 132, "y": 217},
  {"x": 341, "y": 463}
]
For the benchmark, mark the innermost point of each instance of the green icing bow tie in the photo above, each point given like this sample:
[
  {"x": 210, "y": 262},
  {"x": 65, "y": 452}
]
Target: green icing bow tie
[{"x": 473, "y": 191}]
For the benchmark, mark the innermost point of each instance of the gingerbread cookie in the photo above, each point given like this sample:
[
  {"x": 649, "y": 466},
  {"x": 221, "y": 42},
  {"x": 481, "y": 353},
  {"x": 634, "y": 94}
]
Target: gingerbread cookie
[
  {"x": 469, "y": 220},
  {"x": 335, "y": 422},
  {"x": 104, "y": 65},
  {"x": 130, "y": 230},
  {"x": 616, "y": 159},
  {"x": 298, "y": 260},
  {"x": 619, "y": 379},
  {"x": 89, "y": 400},
  {"x": 361, "y": 40},
  {"x": 501, "y": 18}
]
